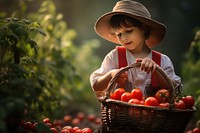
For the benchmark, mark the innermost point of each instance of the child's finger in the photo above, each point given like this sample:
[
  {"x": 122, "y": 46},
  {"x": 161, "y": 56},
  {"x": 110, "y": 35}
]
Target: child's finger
[
  {"x": 138, "y": 60},
  {"x": 150, "y": 67},
  {"x": 144, "y": 64}
]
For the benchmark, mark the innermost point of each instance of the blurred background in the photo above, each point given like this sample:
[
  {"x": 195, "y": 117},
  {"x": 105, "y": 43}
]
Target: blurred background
[{"x": 71, "y": 51}]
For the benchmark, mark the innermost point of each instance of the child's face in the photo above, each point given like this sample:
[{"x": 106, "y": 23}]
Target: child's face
[{"x": 131, "y": 37}]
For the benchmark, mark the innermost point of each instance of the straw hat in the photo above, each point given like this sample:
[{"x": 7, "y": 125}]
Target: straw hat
[{"x": 137, "y": 11}]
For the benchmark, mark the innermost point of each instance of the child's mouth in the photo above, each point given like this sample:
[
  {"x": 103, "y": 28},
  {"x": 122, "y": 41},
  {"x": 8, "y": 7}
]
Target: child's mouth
[{"x": 128, "y": 43}]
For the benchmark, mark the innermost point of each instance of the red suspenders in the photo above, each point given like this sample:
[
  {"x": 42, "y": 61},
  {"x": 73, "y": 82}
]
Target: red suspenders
[{"x": 156, "y": 56}]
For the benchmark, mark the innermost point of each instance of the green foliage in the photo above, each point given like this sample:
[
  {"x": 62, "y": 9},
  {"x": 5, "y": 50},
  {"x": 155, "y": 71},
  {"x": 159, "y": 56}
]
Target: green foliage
[
  {"x": 45, "y": 74},
  {"x": 19, "y": 86},
  {"x": 191, "y": 71},
  {"x": 59, "y": 60}
]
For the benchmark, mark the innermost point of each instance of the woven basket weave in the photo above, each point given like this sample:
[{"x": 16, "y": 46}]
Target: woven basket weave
[{"x": 122, "y": 117}]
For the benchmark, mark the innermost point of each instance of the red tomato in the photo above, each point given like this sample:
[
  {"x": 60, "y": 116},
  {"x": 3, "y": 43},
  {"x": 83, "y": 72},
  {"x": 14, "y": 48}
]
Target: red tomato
[
  {"x": 28, "y": 125},
  {"x": 189, "y": 101},
  {"x": 179, "y": 104},
  {"x": 162, "y": 95},
  {"x": 142, "y": 102},
  {"x": 87, "y": 130},
  {"x": 151, "y": 101},
  {"x": 112, "y": 96},
  {"x": 137, "y": 93},
  {"x": 91, "y": 117},
  {"x": 49, "y": 124},
  {"x": 164, "y": 105},
  {"x": 46, "y": 120},
  {"x": 196, "y": 130},
  {"x": 76, "y": 121},
  {"x": 67, "y": 118},
  {"x": 80, "y": 115},
  {"x": 69, "y": 128},
  {"x": 66, "y": 131},
  {"x": 189, "y": 131},
  {"x": 134, "y": 101},
  {"x": 98, "y": 121},
  {"x": 126, "y": 96},
  {"x": 78, "y": 131},
  {"x": 118, "y": 93},
  {"x": 35, "y": 126},
  {"x": 75, "y": 128},
  {"x": 54, "y": 130}
]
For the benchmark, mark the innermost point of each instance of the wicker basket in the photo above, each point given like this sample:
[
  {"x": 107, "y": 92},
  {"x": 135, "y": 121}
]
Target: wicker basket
[{"x": 121, "y": 117}]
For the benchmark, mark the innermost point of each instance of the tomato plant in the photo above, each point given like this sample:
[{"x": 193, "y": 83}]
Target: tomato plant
[
  {"x": 151, "y": 101},
  {"x": 189, "y": 101},
  {"x": 137, "y": 93}
]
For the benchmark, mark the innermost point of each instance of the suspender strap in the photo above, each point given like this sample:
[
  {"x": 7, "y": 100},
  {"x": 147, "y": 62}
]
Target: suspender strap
[
  {"x": 156, "y": 56},
  {"x": 121, "y": 56}
]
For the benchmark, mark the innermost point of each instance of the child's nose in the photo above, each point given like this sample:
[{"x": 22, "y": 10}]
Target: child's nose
[{"x": 124, "y": 37}]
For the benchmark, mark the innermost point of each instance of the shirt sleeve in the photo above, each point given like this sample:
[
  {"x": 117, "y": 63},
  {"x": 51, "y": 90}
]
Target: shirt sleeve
[
  {"x": 167, "y": 66},
  {"x": 109, "y": 62}
]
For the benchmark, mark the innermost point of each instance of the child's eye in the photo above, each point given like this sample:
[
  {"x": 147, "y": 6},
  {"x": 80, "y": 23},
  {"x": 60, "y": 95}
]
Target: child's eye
[
  {"x": 119, "y": 34},
  {"x": 129, "y": 31}
]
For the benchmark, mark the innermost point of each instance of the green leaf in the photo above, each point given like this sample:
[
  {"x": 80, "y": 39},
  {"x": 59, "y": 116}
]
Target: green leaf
[
  {"x": 38, "y": 30},
  {"x": 33, "y": 45}
]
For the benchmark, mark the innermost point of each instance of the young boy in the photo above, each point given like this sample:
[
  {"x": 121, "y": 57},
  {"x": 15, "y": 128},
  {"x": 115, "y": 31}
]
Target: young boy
[{"x": 130, "y": 25}]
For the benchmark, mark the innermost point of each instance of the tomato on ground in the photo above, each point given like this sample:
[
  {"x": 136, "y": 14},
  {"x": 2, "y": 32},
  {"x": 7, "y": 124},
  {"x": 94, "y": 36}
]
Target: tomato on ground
[
  {"x": 151, "y": 101},
  {"x": 196, "y": 130},
  {"x": 137, "y": 93},
  {"x": 69, "y": 128},
  {"x": 87, "y": 130},
  {"x": 54, "y": 130},
  {"x": 46, "y": 120},
  {"x": 162, "y": 95}
]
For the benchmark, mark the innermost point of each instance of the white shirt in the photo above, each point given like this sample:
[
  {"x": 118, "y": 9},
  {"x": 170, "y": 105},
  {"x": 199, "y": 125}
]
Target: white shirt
[{"x": 137, "y": 77}]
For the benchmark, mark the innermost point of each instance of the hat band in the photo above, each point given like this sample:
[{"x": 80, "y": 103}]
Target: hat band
[{"x": 136, "y": 9}]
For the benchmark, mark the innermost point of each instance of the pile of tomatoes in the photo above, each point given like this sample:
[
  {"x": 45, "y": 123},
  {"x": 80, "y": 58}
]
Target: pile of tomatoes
[
  {"x": 79, "y": 123},
  {"x": 160, "y": 99},
  {"x": 194, "y": 130}
]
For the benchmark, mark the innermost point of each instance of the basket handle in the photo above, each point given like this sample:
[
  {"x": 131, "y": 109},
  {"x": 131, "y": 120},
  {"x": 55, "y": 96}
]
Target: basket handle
[{"x": 138, "y": 64}]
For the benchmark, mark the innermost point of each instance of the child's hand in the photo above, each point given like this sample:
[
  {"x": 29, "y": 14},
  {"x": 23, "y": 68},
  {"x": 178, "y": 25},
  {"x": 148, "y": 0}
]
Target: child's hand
[
  {"x": 147, "y": 65},
  {"x": 122, "y": 79}
]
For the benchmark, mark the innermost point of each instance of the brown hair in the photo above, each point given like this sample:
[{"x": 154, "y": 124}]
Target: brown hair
[{"x": 119, "y": 20}]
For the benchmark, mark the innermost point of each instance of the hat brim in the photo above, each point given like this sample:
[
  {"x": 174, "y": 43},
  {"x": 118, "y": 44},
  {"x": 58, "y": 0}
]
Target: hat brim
[{"x": 103, "y": 28}]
